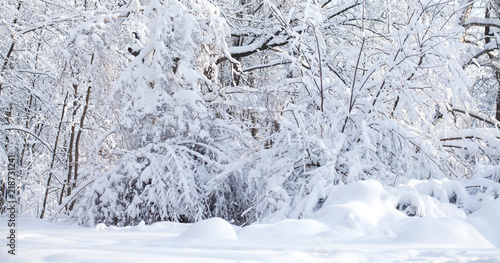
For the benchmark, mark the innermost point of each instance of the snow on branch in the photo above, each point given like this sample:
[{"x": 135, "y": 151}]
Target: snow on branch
[
  {"x": 474, "y": 58},
  {"x": 476, "y": 21},
  {"x": 468, "y": 139},
  {"x": 344, "y": 9},
  {"x": 479, "y": 116},
  {"x": 262, "y": 44},
  {"x": 268, "y": 65},
  {"x": 247, "y": 50},
  {"x": 27, "y": 131}
]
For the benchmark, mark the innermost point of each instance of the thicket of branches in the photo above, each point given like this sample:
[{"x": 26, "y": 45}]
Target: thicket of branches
[{"x": 124, "y": 111}]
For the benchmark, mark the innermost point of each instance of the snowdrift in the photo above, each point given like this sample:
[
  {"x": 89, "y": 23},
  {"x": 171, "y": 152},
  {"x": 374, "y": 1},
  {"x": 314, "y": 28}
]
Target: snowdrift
[{"x": 424, "y": 221}]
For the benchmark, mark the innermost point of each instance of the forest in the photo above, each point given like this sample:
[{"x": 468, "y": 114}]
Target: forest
[{"x": 123, "y": 111}]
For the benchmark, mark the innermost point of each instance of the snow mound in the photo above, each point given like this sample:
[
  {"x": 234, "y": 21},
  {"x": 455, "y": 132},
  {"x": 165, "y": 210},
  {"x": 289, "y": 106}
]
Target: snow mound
[
  {"x": 487, "y": 221},
  {"x": 210, "y": 229},
  {"x": 445, "y": 232},
  {"x": 359, "y": 209}
]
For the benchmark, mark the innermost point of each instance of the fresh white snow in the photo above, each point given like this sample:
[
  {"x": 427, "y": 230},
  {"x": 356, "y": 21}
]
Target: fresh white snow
[{"x": 358, "y": 222}]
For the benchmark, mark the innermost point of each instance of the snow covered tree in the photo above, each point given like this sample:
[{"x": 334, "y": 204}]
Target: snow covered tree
[{"x": 178, "y": 162}]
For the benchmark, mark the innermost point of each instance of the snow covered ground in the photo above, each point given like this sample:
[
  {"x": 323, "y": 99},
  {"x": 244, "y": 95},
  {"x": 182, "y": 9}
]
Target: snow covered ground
[{"x": 359, "y": 222}]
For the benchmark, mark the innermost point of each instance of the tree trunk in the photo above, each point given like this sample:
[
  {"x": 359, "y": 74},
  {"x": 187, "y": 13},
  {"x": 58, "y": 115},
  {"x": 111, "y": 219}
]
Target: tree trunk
[{"x": 497, "y": 116}]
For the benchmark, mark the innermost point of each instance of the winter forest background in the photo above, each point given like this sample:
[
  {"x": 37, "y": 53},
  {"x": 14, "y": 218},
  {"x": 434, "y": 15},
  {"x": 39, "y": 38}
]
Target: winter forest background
[{"x": 128, "y": 110}]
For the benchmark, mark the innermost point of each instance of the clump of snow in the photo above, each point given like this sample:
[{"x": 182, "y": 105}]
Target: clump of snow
[{"x": 210, "y": 229}]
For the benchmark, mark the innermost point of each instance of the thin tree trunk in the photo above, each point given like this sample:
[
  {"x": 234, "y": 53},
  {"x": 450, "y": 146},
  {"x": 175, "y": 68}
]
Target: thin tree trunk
[
  {"x": 11, "y": 49},
  {"x": 487, "y": 29},
  {"x": 77, "y": 141},
  {"x": 53, "y": 157},
  {"x": 497, "y": 116},
  {"x": 27, "y": 109},
  {"x": 70, "y": 149}
]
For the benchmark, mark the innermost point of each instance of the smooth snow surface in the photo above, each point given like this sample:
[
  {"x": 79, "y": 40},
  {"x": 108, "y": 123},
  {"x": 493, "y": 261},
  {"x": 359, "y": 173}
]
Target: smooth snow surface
[{"x": 357, "y": 223}]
